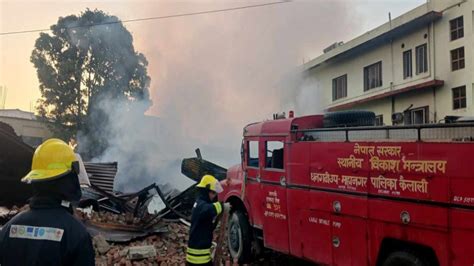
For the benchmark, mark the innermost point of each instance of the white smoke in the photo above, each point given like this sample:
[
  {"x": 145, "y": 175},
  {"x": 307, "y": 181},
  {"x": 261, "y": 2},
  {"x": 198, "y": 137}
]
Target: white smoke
[
  {"x": 212, "y": 75},
  {"x": 146, "y": 148},
  {"x": 308, "y": 97}
]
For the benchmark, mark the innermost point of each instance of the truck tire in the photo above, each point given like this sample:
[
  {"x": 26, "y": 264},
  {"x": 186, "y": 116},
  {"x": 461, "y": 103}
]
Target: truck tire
[
  {"x": 404, "y": 258},
  {"x": 349, "y": 119},
  {"x": 239, "y": 237}
]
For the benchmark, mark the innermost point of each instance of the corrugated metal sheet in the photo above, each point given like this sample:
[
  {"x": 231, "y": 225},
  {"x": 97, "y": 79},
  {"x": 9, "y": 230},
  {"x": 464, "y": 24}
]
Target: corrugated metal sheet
[
  {"x": 102, "y": 175},
  {"x": 195, "y": 168}
]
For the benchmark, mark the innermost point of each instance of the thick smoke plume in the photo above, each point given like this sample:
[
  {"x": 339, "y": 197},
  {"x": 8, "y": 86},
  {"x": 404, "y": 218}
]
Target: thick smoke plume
[{"x": 213, "y": 74}]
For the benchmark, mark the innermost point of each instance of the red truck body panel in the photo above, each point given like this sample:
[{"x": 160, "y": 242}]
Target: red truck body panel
[{"x": 338, "y": 202}]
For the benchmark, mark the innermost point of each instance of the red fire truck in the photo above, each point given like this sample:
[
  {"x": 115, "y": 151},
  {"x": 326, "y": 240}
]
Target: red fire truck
[{"x": 337, "y": 192}]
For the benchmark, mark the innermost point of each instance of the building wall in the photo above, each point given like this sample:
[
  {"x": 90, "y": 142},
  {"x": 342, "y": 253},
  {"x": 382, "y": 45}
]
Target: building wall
[
  {"x": 392, "y": 75},
  {"x": 33, "y": 132},
  {"x": 442, "y": 57},
  {"x": 382, "y": 107},
  {"x": 437, "y": 37}
]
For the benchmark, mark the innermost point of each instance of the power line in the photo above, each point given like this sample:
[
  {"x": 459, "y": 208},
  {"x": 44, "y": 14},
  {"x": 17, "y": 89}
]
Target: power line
[{"x": 153, "y": 18}]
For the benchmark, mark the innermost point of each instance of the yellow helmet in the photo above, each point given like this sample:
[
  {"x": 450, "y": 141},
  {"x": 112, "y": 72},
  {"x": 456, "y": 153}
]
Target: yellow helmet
[
  {"x": 52, "y": 159},
  {"x": 211, "y": 183}
]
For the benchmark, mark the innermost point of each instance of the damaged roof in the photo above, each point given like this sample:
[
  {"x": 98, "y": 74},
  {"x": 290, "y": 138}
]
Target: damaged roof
[{"x": 102, "y": 175}]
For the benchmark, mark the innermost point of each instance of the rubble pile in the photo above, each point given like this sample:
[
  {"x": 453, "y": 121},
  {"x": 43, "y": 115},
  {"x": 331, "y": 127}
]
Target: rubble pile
[
  {"x": 160, "y": 249},
  {"x": 108, "y": 218},
  {"x": 168, "y": 247},
  {"x": 7, "y": 213}
]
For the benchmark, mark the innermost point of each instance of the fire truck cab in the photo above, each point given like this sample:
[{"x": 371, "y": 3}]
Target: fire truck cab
[{"x": 358, "y": 195}]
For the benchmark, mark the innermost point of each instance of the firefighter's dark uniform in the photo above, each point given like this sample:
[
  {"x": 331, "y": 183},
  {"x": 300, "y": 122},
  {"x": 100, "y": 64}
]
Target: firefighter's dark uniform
[
  {"x": 202, "y": 226},
  {"x": 47, "y": 234}
]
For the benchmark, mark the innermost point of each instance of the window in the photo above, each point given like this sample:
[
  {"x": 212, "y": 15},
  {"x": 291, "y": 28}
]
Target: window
[
  {"x": 421, "y": 59},
  {"x": 274, "y": 154},
  {"x": 407, "y": 65},
  {"x": 456, "y": 28},
  {"x": 419, "y": 115},
  {"x": 379, "y": 120},
  {"x": 457, "y": 59},
  {"x": 339, "y": 87},
  {"x": 459, "y": 97},
  {"x": 373, "y": 76},
  {"x": 252, "y": 159}
]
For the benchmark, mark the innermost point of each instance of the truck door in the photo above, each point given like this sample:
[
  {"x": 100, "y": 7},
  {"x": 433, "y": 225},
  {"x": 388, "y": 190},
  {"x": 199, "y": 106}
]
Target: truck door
[
  {"x": 253, "y": 192},
  {"x": 315, "y": 236},
  {"x": 273, "y": 181},
  {"x": 328, "y": 204},
  {"x": 349, "y": 240}
]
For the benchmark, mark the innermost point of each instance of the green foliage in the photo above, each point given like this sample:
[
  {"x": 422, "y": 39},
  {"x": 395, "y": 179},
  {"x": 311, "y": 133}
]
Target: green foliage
[{"x": 85, "y": 60}]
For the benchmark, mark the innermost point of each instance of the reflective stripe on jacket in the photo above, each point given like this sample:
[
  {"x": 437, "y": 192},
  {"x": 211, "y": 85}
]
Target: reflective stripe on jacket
[{"x": 198, "y": 256}]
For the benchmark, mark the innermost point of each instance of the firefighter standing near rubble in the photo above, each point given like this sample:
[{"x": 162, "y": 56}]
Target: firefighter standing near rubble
[
  {"x": 204, "y": 221},
  {"x": 48, "y": 233}
]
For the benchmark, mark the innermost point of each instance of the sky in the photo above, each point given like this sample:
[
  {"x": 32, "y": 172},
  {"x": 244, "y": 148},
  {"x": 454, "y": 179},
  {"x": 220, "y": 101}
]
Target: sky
[{"x": 163, "y": 46}]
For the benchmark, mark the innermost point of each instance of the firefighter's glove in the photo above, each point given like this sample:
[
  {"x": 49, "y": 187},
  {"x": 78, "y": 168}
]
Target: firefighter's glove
[{"x": 227, "y": 206}]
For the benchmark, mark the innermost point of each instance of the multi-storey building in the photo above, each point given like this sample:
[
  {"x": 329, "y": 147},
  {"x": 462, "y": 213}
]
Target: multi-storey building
[{"x": 420, "y": 63}]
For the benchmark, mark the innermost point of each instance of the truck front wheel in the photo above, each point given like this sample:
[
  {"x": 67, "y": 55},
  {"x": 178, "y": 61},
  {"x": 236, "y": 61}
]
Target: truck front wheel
[
  {"x": 403, "y": 258},
  {"x": 239, "y": 237}
]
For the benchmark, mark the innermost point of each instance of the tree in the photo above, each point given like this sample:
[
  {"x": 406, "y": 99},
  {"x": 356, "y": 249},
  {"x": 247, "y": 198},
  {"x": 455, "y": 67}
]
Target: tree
[{"x": 85, "y": 60}]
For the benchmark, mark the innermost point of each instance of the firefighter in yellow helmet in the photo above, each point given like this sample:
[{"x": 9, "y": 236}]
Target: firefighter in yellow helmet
[
  {"x": 203, "y": 221},
  {"x": 48, "y": 233}
]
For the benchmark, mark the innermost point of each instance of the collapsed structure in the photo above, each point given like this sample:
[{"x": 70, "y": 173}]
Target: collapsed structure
[{"x": 149, "y": 225}]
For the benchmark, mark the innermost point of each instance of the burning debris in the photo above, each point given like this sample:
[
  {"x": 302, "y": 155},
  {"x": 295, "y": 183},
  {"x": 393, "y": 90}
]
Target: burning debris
[
  {"x": 122, "y": 218},
  {"x": 143, "y": 228},
  {"x": 148, "y": 227}
]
